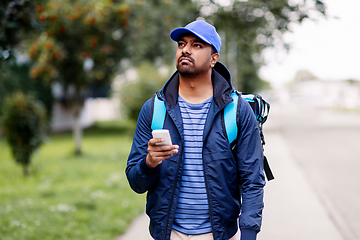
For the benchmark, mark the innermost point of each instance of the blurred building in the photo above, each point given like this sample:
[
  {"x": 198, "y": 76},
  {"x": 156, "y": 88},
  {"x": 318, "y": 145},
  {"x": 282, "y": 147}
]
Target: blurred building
[
  {"x": 95, "y": 109},
  {"x": 308, "y": 90},
  {"x": 98, "y": 107}
]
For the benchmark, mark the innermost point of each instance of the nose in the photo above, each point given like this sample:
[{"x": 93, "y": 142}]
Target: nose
[{"x": 186, "y": 49}]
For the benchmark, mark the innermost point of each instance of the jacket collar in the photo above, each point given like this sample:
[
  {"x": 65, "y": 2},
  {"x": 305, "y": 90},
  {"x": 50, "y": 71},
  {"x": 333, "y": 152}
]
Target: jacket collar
[{"x": 222, "y": 86}]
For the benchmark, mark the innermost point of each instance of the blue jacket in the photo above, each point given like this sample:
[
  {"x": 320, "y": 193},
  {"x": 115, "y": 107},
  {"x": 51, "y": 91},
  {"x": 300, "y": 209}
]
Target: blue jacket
[{"x": 234, "y": 179}]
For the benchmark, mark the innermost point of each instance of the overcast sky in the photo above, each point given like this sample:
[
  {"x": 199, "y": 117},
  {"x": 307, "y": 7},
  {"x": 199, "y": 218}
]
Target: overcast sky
[{"x": 329, "y": 48}]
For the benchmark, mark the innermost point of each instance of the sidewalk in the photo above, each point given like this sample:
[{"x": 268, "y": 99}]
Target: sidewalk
[
  {"x": 293, "y": 210},
  {"x": 138, "y": 230}
]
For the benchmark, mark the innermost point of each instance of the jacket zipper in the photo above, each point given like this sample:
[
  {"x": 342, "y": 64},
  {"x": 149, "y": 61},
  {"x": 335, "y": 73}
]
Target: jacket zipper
[
  {"x": 207, "y": 193},
  {"x": 173, "y": 193},
  {"x": 206, "y": 185}
]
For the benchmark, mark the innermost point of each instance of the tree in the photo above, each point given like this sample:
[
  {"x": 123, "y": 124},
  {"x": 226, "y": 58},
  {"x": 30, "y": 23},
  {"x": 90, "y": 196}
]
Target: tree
[
  {"x": 15, "y": 77},
  {"x": 133, "y": 94},
  {"x": 23, "y": 122},
  {"x": 248, "y": 27},
  {"x": 16, "y": 19},
  {"x": 150, "y": 47},
  {"x": 151, "y": 22},
  {"x": 80, "y": 46}
]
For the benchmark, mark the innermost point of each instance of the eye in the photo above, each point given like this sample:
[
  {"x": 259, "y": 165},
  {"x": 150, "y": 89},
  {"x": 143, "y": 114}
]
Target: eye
[
  {"x": 181, "y": 44},
  {"x": 197, "y": 45}
]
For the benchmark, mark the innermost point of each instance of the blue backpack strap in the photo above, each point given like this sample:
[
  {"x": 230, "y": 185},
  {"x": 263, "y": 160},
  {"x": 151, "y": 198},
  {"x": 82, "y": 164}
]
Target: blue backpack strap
[
  {"x": 230, "y": 112},
  {"x": 159, "y": 112}
]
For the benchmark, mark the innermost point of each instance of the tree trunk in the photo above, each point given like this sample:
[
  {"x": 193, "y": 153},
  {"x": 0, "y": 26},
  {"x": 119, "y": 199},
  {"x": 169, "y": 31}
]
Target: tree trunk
[
  {"x": 25, "y": 170},
  {"x": 226, "y": 43},
  {"x": 239, "y": 66},
  {"x": 77, "y": 129}
]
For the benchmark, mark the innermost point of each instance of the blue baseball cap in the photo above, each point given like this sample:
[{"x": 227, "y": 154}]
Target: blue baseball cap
[{"x": 202, "y": 30}]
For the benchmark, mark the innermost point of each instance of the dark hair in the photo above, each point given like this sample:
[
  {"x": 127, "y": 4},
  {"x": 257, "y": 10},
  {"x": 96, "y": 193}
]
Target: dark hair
[{"x": 213, "y": 50}]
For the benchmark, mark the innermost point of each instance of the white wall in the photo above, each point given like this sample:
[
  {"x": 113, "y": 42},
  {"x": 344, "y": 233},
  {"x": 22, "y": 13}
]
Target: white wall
[{"x": 98, "y": 109}]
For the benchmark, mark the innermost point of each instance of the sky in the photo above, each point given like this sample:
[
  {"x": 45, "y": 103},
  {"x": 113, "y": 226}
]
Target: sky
[{"x": 328, "y": 48}]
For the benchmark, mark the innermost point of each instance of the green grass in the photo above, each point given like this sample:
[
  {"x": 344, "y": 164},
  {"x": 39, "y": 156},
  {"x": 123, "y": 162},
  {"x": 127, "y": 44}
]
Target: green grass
[{"x": 68, "y": 197}]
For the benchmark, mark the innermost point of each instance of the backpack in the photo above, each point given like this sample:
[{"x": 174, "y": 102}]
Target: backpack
[{"x": 260, "y": 107}]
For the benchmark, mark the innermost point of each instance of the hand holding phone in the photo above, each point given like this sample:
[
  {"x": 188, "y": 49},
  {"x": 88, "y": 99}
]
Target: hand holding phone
[
  {"x": 164, "y": 134},
  {"x": 158, "y": 154}
]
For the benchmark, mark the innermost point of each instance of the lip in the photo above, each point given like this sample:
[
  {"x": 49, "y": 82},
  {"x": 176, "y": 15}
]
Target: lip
[{"x": 185, "y": 60}]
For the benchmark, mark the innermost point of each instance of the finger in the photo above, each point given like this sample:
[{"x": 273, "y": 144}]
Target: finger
[
  {"x": 162, "y": 155},
  {"x": 162, "y": 148},
  {"x": 154, "y": 141},
  {"x": 166, "y": 151}
]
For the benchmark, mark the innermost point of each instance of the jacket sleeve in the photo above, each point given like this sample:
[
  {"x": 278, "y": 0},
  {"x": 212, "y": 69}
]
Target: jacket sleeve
[
  {"x": 249, "y": 154},
  {"x": 140, "y": 176}
]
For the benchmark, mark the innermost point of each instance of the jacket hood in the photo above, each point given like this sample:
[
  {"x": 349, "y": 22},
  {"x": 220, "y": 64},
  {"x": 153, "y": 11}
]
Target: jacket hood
[
  {"x": 222, "y": 86},
  {"x": 223, "y": 71}
]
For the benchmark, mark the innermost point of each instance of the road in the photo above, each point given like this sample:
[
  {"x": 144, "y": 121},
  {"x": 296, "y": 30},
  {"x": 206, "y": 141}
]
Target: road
[{"x": 325, "y": 146}]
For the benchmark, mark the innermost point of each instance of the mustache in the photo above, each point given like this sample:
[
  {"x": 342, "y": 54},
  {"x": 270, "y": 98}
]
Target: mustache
[{"x": 185, "y": 56}]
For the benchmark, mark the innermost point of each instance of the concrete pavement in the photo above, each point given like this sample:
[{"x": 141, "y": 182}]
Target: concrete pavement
[
  {"x": 138, "y": 230},
  {"x": 293, "y": 208}
]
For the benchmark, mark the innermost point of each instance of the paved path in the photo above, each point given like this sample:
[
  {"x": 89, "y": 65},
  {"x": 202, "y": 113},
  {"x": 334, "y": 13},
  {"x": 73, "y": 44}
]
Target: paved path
[
  {"x": 325, "y": 146},
  {"x": 293, "y": 208},
  {"x": 138, "y": 230}
]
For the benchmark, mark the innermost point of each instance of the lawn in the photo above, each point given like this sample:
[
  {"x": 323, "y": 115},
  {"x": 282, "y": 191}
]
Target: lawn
[{"x": 68, "y": 197}]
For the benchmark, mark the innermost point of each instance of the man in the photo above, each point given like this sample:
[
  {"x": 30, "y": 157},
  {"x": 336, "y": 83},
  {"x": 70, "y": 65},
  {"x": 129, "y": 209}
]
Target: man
[{"x": 195, "y": 187}]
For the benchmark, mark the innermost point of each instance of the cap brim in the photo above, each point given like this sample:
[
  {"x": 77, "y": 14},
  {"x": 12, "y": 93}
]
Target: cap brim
[{"x": 179, "y": 32}]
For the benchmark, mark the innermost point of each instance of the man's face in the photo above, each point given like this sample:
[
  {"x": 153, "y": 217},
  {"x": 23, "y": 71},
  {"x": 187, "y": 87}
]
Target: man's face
[{"x": 193, "y": 56}]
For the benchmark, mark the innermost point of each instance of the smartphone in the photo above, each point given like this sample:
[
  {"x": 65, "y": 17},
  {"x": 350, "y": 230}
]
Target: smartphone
[{"x": 162, "y": 133}]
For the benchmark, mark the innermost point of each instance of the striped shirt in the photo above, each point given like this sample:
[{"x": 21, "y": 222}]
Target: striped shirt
[{"x": 192, "y": 212}]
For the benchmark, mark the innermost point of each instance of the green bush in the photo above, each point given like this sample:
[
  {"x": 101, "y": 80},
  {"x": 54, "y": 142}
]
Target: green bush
[
  {"x": 23, "y": 123},
  {"x": 133, "y": 94},
  {"x": 15, "y": 77}
]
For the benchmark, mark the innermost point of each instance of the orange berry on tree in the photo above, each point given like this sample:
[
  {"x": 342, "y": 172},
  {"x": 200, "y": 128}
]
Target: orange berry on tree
[
  {"x": 86, "y": 54},
  {"x": 32, "y": 52},
  {"x": 62, "y": 29},
  {"x": 49, "y": 45},
  {"x": 39, "y": 8},
  {"x": 77, "y": 8},
  {"x": 34, "y": 72},
  {"x": 42, "y": 17},
  {"x": 106, "y": 49},
  {"x": 90, "y": 21},
  {"x": 124, "y": 10},
  {"x": 56, "y": 54},
  {"x": 93, "y": 42},
  {"x": 53, "y": 18},
  {"x": 124, "y": 22},
  {"x": 73, "y": 17}
]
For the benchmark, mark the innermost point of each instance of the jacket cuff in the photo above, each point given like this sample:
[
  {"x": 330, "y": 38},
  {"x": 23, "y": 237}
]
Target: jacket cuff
[
  {"x": 248, "y": 234},
  {"x": 148, "y": 170}
]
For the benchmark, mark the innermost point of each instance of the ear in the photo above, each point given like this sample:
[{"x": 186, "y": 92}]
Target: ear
[{"x": 214, "y": 58}]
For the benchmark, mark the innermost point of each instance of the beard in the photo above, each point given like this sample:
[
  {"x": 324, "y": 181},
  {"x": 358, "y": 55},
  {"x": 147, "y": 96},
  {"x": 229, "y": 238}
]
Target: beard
[{"x": 189, "y": 69}]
